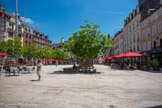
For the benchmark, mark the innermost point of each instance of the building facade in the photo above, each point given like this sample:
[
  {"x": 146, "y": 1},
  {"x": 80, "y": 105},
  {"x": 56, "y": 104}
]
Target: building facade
[
  {"x": 117, "y": 43},
  {"x": 27, "y": 34},
  {"x": 7, "y": 28},
  {"x": 151, "y": 30},
  {"x": 41, "y": 39},
  {"x": 131, "y": 32}
]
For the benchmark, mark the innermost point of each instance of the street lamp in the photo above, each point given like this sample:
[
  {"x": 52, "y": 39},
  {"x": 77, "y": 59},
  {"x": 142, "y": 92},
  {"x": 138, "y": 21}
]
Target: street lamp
[{"x": 16, "y": 18}]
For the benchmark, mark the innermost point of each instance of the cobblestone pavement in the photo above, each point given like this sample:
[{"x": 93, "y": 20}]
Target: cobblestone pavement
[{"x": 109, "y": 89}]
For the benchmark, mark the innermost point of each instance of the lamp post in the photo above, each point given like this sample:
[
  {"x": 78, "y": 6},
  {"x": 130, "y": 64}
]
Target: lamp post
[
  {"x": 16, "y": 23},
  {"x": 16, "y": 19}
]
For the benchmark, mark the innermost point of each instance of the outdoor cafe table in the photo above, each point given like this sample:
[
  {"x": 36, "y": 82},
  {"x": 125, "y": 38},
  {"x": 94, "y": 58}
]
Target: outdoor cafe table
[
  {"x": 28, "y": 68},
  {"x": 13, "y": 70}
]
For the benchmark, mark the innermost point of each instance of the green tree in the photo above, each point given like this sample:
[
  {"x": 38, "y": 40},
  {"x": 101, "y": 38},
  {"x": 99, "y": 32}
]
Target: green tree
[
  {"x": 88, "y": 42},
  {"x": 14, "y": 47},
  {"x": 3, "y": 46},
  {"x": 61, "y": 54},
  {"x": 47, "y": 52}
]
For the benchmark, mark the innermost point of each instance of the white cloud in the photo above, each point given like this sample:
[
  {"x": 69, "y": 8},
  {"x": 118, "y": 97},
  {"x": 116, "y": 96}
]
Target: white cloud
[
  {"x": 27, "y": 20},
  {"x": 109, "y": 12}
]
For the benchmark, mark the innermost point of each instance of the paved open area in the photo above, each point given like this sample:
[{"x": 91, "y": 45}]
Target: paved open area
[{"x": 109, "y": 89}]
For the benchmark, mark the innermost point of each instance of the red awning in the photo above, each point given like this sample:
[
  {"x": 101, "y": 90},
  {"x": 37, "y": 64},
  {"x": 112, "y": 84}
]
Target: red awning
[
  {"x": 104, "y": 59},
  {"x": 110, "y": 58},
  {"x": 3, "y": 54},
  {"x": 132, "y": 54},
  {"x": 101, "y": 59},
  {"x": 120, "y": 56}
]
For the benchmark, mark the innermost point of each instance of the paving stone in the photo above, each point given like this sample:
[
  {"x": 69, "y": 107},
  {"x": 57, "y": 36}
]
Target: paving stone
[{"x": 109, "y": 89}]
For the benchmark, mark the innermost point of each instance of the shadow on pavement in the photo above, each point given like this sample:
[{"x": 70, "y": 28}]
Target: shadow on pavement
[
  {"x": 62, "y": 72},
  {"x": 33, "y": 80},
  {"x": 158, "y": 106},
  {"x": 154, "y": 71}
]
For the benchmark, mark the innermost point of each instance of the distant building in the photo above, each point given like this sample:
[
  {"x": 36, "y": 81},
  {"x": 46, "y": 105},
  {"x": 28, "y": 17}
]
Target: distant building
[
  {"x": 7, "y": 28},
  {"x": 27, "y": 34},
  {"x": 131, "y": 32},
  {"x": 58, "y": 45}
]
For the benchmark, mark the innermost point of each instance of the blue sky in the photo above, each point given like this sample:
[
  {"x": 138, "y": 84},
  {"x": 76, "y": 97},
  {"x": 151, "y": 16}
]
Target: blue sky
[{"x": 60, "y": 18}]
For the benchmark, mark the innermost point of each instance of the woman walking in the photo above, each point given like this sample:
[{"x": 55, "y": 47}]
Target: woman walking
[{"x": 39, "y": 66}]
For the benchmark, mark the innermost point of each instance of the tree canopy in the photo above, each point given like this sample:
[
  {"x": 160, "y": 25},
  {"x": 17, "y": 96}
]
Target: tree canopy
[
  {"x": 88, "y": 42},
  {"x": 14, "y": 47}
]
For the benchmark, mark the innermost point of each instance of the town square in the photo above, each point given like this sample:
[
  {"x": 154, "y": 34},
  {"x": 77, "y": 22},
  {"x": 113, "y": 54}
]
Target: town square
[{"x": 81, "y": 54}]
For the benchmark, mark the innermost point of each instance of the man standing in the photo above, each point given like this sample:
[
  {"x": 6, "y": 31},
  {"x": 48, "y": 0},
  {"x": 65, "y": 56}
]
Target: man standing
[{"x": 39, "y": 66}]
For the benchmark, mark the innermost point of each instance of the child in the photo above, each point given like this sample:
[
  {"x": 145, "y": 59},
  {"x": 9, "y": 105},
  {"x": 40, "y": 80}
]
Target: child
[{"x": 39, "y": 66}]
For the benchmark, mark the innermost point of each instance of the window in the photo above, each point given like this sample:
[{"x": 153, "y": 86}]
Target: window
[
  {"x": 143, "y": 34},
  {"x": 160, "y": 27},
  {"x": 138, "y": 48},
  {"x": 154, "y": 44},
  {"x": 26, "y": 36},
  {"x": 153, "y": 30},
  {"x": 26, "y": 42},
  {"x": 133, "y": 26},
  {"x": 130, "y": 28},
  {"x": 137, "y": 36},
  {"x": 29, "y": 37},
  {"x": 148, "y": 45},
  {"x": 148, "y": 32},
  {"x": 130, "y": 40},
  {"x": 29, "y": 30},
  {"x": 137, "y": 23},
  {"x": 10, "y": 33},
  {"x": 144, "y": 46},
  {"x": 134, "y": 49},
  {"x": 25, "y": 29},
  {"x": 134, "y": 39}
]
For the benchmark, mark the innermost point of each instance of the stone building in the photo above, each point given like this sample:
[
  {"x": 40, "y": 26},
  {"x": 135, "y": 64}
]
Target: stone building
[
  {"x": 131, "y": 32},
  {"x": 27, "y": 34},
  {"x": 41, "y": 39},
  {"x": 7, "y": 28},
  {"x": 145, "y": 5},
  {"x": 151, "y": 30},
  {"x": 117, "y": 43}
]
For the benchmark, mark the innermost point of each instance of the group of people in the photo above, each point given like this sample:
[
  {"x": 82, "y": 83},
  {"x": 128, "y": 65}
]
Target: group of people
[{"x": 124, "y": 66}]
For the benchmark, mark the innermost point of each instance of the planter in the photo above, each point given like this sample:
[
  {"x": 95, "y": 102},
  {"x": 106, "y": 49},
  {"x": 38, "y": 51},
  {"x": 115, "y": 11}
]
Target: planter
[{"x": 156, "y": 68}]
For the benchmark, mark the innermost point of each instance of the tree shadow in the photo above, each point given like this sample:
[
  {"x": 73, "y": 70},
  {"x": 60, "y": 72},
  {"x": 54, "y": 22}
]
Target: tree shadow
[
  {"x": 153, "y": 71},
  {"x": 62, "y": 72},
  {"x": 158, "y": 106}
]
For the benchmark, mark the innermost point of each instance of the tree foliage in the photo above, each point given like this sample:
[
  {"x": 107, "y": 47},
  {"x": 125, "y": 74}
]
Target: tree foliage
[
  {"x": 14, "y": 47},
  {"x": 88, "y": 42},
  {"x": 11, "y": 47}
]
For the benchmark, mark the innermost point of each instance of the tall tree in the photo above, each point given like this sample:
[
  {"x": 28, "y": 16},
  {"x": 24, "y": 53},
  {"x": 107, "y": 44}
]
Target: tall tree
[
  {"x": 88, "y": 42},
  {"x": 3, "y": 46}
]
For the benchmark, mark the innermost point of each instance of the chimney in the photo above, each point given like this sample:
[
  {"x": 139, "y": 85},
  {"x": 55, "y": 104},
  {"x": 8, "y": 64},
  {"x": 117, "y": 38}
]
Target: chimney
[
  {"x": 1, "y": 8},
  {"x": 62, "y": 40}
]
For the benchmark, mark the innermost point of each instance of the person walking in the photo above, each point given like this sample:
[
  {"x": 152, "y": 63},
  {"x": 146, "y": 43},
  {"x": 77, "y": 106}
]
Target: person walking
[
  {"x": 56, "y": 63},
  {"x": 39, "y": 66}
]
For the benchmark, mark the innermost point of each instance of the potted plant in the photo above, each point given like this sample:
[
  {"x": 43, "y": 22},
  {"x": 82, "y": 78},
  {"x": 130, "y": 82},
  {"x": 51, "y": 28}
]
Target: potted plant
[{"x": 155, "y": 64}]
